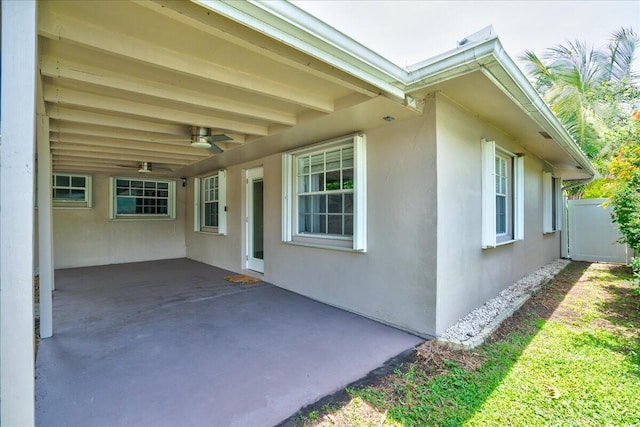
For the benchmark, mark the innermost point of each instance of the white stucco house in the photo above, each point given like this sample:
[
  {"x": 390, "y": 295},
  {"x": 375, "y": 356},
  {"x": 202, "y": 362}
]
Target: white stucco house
[{"x": 407, "y": 195}]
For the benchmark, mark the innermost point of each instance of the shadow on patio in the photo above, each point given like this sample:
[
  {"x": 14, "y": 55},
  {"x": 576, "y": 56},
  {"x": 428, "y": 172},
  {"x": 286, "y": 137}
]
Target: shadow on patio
[{"x": 172, "y": 343}]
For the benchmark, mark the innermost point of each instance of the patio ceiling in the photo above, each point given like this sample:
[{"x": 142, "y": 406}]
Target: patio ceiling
[{"x": 124, "y": 82}]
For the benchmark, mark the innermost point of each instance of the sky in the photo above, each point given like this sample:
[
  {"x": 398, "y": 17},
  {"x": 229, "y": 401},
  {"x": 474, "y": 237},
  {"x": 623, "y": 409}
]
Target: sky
[{"x": 407, "y": 32}]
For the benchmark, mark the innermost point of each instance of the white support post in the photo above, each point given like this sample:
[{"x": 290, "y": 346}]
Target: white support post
[
  {"x": 45, "y": 228},
  {"x": 19, "y": 51}
]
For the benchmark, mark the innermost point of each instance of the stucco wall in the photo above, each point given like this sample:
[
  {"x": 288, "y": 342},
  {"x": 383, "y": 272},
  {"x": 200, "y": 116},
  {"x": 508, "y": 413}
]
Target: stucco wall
[
  {"x": 84, "y": 237},
  {"x": 468, "y": 276},
  {"x": 395, "y": 280}
]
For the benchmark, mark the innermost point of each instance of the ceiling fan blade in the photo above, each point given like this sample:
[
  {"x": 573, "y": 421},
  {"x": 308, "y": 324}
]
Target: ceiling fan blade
[
  {"x": 221, "y": 137},
  {"x": 215, "y": 149}
]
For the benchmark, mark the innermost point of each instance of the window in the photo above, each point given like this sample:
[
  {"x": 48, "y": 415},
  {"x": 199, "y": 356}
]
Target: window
[
  {"x": 142, "y": 198},
  {"x": 502, "y": 195},
  {"x": 210, "y": 204},
  {"x": 325, "y": 194},
  {"x": 71, "y": 191},
  {"x": 551, "y": 203}
]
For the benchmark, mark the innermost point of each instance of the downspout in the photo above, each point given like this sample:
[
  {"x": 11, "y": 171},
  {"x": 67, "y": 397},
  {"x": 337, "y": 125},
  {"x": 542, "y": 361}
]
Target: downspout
[{"x": 576, "y": 183}]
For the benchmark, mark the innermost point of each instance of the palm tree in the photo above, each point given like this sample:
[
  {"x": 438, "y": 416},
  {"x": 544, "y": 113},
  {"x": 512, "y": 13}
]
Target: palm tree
[{"x": 585, "y": 87}]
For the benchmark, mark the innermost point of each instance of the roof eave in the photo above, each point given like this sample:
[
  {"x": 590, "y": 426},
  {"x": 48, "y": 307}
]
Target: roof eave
[
  {"x": 490, "y": 58},
  {"x": 291, "y": 25}
]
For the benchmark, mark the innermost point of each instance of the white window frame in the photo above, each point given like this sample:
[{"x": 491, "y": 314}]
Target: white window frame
[
  {"x": 551, "y": 203},
  {"x": 290, "y": 234},
  {"x": 113, "y": 205},
  {"x": 515, "y": 201},
  {"x": 73, "y": 204},
  {"x": 199, "y": 204}
]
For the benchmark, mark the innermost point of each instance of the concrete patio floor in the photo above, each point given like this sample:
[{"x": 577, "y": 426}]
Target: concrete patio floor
[{"x": 171, "y": 343}]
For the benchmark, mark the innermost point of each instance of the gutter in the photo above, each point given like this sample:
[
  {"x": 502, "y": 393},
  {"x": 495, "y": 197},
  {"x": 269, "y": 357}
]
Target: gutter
[
  {"x": 578, "y": 182},
  {"x": 294, "y": 27},
  {"x": 541, "y": 113},
  {"x": 482, "y": 51}
]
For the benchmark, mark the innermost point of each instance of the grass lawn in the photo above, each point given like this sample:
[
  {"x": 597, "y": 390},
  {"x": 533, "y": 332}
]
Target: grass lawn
[{"x": 569, "y": 357}]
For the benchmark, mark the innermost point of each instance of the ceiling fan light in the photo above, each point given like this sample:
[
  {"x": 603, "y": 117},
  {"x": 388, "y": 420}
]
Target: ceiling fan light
[
  {"x": 144, "y": 167},
  {"x": 200, "y": 142}
]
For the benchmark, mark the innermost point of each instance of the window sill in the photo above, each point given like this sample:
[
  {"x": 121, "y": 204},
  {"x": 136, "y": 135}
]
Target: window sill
[
  {"x": 550, "y": 232},
  {"x": 142, "y": 218},
  {"x": 211, "y": 233},
  {"x": 505, "y": 243},
  {"x": 332, "y": 248},
  {"x": 72, "y": 207}
]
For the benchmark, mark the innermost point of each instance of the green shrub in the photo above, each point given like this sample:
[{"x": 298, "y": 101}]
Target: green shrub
[{"x": 635, "y": 265}]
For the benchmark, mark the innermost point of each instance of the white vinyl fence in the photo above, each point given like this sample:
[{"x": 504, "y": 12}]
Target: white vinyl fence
[{"x": 592, "y": 234}]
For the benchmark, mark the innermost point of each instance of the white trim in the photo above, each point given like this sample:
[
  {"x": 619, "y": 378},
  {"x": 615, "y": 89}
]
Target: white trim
[
  {"x": 518, "y": 198},
  {"x": 222, "y": 202},
  {"x": 197, "y": 184},
  {"x": 287, "y": 170},
  {"x": 171, "y": 202},
  {"x": 547, "y": 202},
  {"x": 358, "y": 241},
  {"x": 17, "y": 154},
  {"x": 198, "y": 205},
  {"x": 45, "y": 228},
  {"x": 252, "y": 263},
  {"x": 328, "y": 247},
  {"x": 87, "y": 203},
  {"x": 488, "y": 194},
  {"x": 515, "y": 224},
  {"x": 285, "y": 22},
  {"x": 559, "y": 204},
  {"x": 360, "y": 193},
  {"x": 291, "y": 25}
]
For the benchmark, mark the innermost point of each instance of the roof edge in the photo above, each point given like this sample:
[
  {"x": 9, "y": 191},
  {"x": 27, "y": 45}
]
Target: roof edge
[
  {"x": 293, "y": 26},
  {"x": 527, "y": 95},
  {"x": 482, "y": 51},
  {"x": 491, "y": 59}
]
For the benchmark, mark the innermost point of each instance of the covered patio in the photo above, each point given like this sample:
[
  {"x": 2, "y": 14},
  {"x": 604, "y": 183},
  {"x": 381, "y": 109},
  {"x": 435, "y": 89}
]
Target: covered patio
[{"x": 172, "y": 343}]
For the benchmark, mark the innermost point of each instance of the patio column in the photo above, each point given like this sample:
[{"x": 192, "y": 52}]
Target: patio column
[
  {"x": 45, "y": 228},
  {"x": 16, "y": 216}
]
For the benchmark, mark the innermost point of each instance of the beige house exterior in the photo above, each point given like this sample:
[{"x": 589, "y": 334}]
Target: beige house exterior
[{"x": 409, "y": 196}]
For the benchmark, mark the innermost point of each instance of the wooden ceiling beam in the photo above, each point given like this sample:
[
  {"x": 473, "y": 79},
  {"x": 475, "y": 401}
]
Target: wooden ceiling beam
[
  {"x": 98, "y": 151},
  {"x": 58, "y": 68},
  {"x": 90, "y": 35},
  {"x": 197, "y": 17},
  {"x": 91, "y": 168},
  {"x": 74, "y": 154},
  {"x": 71, "y": 97},
  {"x": 60, "y": 126},
  {"x": 123, "y": 144},
  {"x": 71, "y": 115}
]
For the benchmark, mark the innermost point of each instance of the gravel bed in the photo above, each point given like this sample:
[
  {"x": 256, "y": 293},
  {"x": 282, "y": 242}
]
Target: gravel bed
[{"x": 473, "y": 323}]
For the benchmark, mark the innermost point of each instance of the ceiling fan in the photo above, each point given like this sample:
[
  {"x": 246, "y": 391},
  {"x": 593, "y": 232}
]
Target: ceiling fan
[{"x": 202, "y": 137}]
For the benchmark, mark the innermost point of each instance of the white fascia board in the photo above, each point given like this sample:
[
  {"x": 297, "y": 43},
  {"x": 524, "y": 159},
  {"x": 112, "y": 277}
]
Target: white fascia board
[
  {"x": 291, "y": 25},
  {"x": 451, "y": 64},
  {"x": 491, "y": 59},
  {"x": 287, "y": 23},
  {"x": 510, "y": 79}
]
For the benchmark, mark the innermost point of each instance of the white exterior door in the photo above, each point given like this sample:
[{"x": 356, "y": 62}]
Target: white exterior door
[{"x": 255, "y": 220}]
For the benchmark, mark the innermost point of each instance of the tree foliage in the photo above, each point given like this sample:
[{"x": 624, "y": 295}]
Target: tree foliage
[
  {"x": 595, "y": 94},
  {"x": 592, "y": 91},
  {"x": 625, "y": 166}
]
